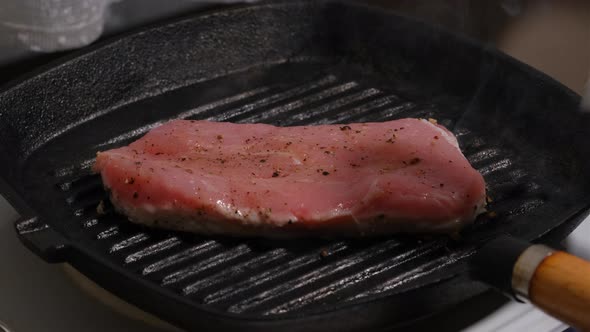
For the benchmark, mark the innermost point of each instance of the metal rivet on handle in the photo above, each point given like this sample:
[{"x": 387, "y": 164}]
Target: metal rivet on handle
[{"x": 525, "y": 268}]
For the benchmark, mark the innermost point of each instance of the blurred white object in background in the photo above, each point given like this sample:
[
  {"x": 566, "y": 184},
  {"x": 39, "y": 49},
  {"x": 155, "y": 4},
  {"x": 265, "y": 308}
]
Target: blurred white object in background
[
  {"x": 51, "y": 25},
  {"x": 28, "y": 27}
]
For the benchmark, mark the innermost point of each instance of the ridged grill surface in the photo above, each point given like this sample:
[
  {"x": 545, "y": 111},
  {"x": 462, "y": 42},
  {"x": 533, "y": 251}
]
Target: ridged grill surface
[{"x": 263, "y": 277}]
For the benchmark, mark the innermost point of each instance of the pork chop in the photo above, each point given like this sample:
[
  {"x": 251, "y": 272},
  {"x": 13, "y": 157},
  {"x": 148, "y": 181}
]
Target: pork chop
[{"x": 361, "y": 179}]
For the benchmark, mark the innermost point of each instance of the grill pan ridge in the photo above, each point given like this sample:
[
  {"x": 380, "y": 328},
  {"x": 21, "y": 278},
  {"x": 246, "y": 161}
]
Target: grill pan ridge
[{"x": 305, "y": 66}]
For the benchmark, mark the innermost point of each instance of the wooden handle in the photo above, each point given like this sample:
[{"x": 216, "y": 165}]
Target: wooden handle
[
  {"x": 561, "y": 287},
  {"x": 554, "y": 281}
]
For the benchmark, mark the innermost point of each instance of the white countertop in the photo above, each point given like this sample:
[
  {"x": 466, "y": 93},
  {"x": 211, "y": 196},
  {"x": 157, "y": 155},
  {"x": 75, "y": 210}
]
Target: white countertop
[{"x": 39, "y": 297}]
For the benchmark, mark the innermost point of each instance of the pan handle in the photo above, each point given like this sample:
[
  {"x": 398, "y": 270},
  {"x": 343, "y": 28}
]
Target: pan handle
[
  {"x": 560, "y": 285},
  {"x": 554, "y": 281}
]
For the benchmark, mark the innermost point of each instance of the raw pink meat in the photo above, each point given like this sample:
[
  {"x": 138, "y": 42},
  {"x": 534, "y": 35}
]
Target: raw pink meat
[{"x": 260, "y": 180}]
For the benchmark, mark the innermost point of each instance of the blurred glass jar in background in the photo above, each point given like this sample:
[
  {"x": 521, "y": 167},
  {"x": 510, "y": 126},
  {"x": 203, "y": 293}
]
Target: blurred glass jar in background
[
  {"x": 49, "y": 25},
  {"x": 29, "y": 27}
]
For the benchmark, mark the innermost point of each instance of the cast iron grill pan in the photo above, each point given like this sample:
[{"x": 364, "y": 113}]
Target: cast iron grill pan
[{"x": 286, "y": 64}]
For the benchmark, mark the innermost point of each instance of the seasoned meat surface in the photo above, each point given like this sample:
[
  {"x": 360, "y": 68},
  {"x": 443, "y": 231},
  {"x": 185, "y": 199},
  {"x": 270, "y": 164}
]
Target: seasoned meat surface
[{"x": 362, "y": 179}]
